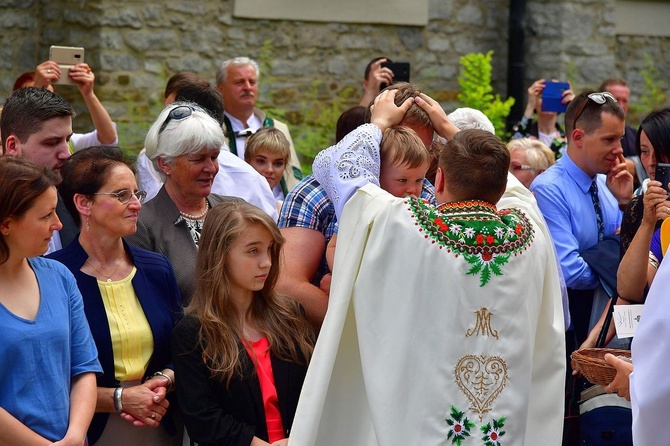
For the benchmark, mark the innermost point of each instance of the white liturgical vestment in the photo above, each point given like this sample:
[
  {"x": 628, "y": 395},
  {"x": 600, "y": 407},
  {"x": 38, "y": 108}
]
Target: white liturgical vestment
[
  {"x": 649, "y": 384},
  {"x": 444, "y": 325}
]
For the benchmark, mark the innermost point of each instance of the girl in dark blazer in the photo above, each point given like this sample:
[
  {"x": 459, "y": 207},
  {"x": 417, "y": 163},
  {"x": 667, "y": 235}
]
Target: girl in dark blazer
[
  {"x": 131, "y": 299},
  {"x": 241, "y": 351}
]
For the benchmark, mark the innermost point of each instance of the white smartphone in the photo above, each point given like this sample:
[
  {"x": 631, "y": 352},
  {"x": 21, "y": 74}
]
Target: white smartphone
[{"x": 66, "y": 57}]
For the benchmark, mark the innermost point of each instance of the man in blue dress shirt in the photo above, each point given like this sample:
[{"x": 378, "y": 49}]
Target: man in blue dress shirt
[{"x": 582, "y": 195}]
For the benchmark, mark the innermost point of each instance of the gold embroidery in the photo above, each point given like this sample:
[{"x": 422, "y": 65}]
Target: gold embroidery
[
  {"x": 481, "y": 379},
  {"x": 483, "y": 325}
]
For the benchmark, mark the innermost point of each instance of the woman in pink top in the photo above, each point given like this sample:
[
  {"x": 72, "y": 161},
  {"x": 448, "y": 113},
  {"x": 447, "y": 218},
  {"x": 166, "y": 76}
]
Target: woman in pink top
[{"x": 241, "y": 351}]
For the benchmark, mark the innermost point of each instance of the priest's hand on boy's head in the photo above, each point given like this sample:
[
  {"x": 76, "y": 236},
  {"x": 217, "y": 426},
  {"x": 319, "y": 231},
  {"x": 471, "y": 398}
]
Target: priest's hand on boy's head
[{"x": 385, "y": 113}]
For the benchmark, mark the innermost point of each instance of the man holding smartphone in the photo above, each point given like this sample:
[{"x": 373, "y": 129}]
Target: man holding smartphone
[{"x": 375, "y": 79}]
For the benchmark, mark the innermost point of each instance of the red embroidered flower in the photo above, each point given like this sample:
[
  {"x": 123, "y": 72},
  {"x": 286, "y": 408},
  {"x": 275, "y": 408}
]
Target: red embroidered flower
[
  {"x": 518, "y": 229},
  {"x": 490, "y": 240},
  {"x": 493, "y": 436},
  {"x": 487, "y": 256},
  {"x": 458, "y": 428},
  {"x": 439, "y": 221},
  {"x": 479, "y": 239}
]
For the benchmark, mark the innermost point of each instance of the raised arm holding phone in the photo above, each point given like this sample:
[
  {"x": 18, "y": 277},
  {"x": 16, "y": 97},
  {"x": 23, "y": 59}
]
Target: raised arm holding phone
[{"x": 49, "y": 73}]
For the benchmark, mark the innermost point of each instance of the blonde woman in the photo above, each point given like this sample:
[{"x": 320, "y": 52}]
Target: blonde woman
[
  {"x": 529, "y": 158},
  {"x": 241, "y": 351}
]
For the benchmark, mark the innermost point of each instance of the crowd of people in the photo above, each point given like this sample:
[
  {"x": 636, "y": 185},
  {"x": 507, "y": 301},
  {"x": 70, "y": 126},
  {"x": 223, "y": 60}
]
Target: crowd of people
[{"x": 447, "y": 275}]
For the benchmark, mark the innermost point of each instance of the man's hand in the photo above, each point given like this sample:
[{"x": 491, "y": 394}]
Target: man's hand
[
  {"x": 441, "y": 123},
  {"x": 621, "y": 383},
  {"x": 385, "y": 113},
  {"x": 377, "y": 76},
  {"x": 620, "y": 181}
]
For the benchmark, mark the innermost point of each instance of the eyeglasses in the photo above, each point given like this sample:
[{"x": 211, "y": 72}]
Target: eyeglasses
[
  {"x": 177, "y": 114},
  {"x": 125, "y": 195},
  {"x": 520, "y": 167},
  {"x": 598, "y": 98}
]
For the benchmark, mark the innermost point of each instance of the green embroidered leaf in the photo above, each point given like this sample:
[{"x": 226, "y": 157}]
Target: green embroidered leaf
[
  {"x": 501, "y": 259},
  {"x": 496, "y": 269},
  {"x": 500, "y": 422},
  {"x": 486, "y": 275},
  {"x": 475, "y": 268}
]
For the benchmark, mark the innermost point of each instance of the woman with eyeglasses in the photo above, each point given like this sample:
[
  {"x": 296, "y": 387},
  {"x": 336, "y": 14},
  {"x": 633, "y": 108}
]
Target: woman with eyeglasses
[
  {"x": 529, "y": 158},
  {"x": 184, "y": 145},
  {"x": 131, "y": 299}
]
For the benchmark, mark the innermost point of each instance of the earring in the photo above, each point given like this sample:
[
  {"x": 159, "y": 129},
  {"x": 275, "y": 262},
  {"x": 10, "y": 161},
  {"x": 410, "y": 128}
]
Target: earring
[{"x": 88, "y": 224}]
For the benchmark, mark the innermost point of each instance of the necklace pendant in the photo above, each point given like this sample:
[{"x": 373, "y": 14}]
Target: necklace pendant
[{"x": 109, "y": 279}]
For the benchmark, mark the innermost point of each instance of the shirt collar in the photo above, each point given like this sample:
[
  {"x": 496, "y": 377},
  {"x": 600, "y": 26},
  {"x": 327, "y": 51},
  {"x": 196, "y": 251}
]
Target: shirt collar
[{"x": 576, "y": 173}]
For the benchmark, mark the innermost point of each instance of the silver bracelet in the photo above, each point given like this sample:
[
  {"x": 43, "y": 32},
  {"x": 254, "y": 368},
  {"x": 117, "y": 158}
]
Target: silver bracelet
[
  {"x": 118, "y": 404},
  {"x": 169, "y": 386}
]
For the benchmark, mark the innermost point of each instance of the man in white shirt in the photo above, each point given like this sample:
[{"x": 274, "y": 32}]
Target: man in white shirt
[{"x": 237, "y": 80}]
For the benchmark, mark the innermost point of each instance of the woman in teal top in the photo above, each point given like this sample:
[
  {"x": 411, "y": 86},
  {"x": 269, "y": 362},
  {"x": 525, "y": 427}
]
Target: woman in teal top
[{"x": 48, "y": 359}]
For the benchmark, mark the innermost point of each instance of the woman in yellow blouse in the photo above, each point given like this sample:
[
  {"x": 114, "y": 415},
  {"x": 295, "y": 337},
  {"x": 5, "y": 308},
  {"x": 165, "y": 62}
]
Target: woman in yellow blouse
[{"x": 131, "y": 299}]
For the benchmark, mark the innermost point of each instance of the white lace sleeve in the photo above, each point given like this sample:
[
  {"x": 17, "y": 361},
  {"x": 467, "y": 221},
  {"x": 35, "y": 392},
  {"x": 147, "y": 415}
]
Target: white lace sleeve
[{"x": 349, "y": 165}]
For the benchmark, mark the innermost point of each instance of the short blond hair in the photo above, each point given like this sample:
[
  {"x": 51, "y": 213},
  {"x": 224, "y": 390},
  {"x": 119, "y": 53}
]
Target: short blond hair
[
  {"x": 270, "y": 139},
  {"x": 401, "y": 145},
  {"x": 539, "y": 156}
]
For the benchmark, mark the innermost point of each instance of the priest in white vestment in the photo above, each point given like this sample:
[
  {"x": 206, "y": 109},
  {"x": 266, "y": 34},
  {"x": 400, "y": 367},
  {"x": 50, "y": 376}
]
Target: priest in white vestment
[
  {"x": 444, "y": 325},
  {"x": 649, "y": 388}
]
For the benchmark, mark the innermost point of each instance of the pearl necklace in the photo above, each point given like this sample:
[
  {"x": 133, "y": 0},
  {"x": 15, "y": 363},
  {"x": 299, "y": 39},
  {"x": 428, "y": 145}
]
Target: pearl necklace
[
  {"x": 198, "y": 216},
  {"x": 109, "y": 278}
]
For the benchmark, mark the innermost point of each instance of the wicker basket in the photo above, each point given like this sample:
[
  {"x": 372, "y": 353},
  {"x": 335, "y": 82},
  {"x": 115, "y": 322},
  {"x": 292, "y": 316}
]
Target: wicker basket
[{"x": 592, "y": 364}]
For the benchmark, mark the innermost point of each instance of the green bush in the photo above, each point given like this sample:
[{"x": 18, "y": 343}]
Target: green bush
[
  {"x": 477, "y": 92},
  {"x": 652, "y": 97}
]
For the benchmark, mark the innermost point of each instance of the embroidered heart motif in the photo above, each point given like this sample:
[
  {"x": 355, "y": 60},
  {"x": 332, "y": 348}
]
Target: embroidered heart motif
[{"x": 481, "y": 379}]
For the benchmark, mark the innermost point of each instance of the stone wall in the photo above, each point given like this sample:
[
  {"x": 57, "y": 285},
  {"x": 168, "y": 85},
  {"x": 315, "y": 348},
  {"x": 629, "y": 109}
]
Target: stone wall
[{"x": 134, "y": 46}]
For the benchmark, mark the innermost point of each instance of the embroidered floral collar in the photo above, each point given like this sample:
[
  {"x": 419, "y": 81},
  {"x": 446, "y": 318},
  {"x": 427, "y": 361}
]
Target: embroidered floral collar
[{"x": 485, "y": 237}]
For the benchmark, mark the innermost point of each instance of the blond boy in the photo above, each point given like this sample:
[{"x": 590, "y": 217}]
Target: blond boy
[
  {"x": 404, "y": 163},
  {"x": 269, "y": 152}
]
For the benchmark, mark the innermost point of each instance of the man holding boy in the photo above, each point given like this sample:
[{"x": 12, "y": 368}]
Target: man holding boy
[
  {"x": 36, "y": 124},
  {"x": 443, "y": 322},
  {"x": 307, "y": 221}
]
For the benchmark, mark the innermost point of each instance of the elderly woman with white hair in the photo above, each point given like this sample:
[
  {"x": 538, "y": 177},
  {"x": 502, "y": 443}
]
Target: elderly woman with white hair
[
  {"x": 529, "y": 158},
  {"x": 184, "y": 145}
]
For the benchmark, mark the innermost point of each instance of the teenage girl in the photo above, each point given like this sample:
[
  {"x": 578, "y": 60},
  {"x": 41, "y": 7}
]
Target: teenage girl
[{"x": 241, "y": 351}]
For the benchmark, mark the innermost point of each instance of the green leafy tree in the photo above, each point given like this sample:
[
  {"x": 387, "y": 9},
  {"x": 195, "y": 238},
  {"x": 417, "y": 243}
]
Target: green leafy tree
[
  {"x": 477, "y": 92},
  {"x": 653, "y": 95}
]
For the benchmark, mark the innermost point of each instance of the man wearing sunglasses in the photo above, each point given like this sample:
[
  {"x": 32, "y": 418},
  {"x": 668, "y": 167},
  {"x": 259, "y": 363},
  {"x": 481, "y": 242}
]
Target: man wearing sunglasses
[
  {"x": 36, "y": 124},
  {"x": 581, "y": 196},
  {"x": 237, "y": 80}
]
